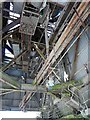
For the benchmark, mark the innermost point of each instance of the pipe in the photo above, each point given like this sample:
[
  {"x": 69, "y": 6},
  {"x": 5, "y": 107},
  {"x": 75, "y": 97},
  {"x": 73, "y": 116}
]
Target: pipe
[{"x": 46, "y": 36}]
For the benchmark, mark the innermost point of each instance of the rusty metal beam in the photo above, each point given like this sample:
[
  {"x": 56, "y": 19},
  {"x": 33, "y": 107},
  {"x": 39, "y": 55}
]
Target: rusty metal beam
[
  {"x": 56, "y": 52},
  {"x": 14, "y": 40},
  {"x": 42, "y": 55},
  {"x": 57, "y": 48},
  {"x": 67, "y": 50},
  {"x": 12, "y": 62},
  {"x": 42, "y": 45},
  {"x": 6, "y": 36},
  {"x": 64, "y": 23}
]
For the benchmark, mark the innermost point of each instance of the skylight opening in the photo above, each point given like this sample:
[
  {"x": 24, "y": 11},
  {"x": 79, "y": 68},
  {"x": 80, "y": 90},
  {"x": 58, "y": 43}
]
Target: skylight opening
[{"x": 8, "y": 53}]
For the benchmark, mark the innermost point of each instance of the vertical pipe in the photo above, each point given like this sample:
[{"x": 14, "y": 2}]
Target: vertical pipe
[
  {"x": 46, "y": 36},
  {"x": 47, "y": 43}
]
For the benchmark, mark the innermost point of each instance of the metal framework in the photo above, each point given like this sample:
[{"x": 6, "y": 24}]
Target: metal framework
[{"x": 42, "y": 75}]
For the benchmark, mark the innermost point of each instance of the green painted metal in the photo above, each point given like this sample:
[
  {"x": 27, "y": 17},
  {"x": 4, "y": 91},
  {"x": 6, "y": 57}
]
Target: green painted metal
[
  {"x": 63, "y": 87},
  {"x": 9, "y": 80}
]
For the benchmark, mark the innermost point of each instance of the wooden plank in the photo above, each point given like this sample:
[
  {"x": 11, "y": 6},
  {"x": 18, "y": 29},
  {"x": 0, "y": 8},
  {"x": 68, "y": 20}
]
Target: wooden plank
[
  {"x": 70, "y": 24},
  {"x": 61, "y": 39},
  {"x": 60, "y": 50},
  {"x": 46, "y": 65},
  {"x": 43, "y": 57}
]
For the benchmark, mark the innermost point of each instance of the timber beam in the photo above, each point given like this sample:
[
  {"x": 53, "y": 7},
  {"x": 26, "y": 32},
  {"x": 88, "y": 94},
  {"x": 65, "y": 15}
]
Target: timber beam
[
  {"x": 42, "y": 56},
  {"x": 62, "y": 40},
  {"x": 60, "y": 45},
  {"x": 12, "y": 62}
]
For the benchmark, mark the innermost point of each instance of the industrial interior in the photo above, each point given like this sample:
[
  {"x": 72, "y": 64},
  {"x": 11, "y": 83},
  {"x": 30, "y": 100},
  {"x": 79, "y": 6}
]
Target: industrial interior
[{"x": 44, "y": 57}]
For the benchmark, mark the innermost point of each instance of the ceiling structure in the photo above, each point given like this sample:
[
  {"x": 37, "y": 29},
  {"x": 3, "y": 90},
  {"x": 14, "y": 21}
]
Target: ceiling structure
[{"x": 44, "y": 58}]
